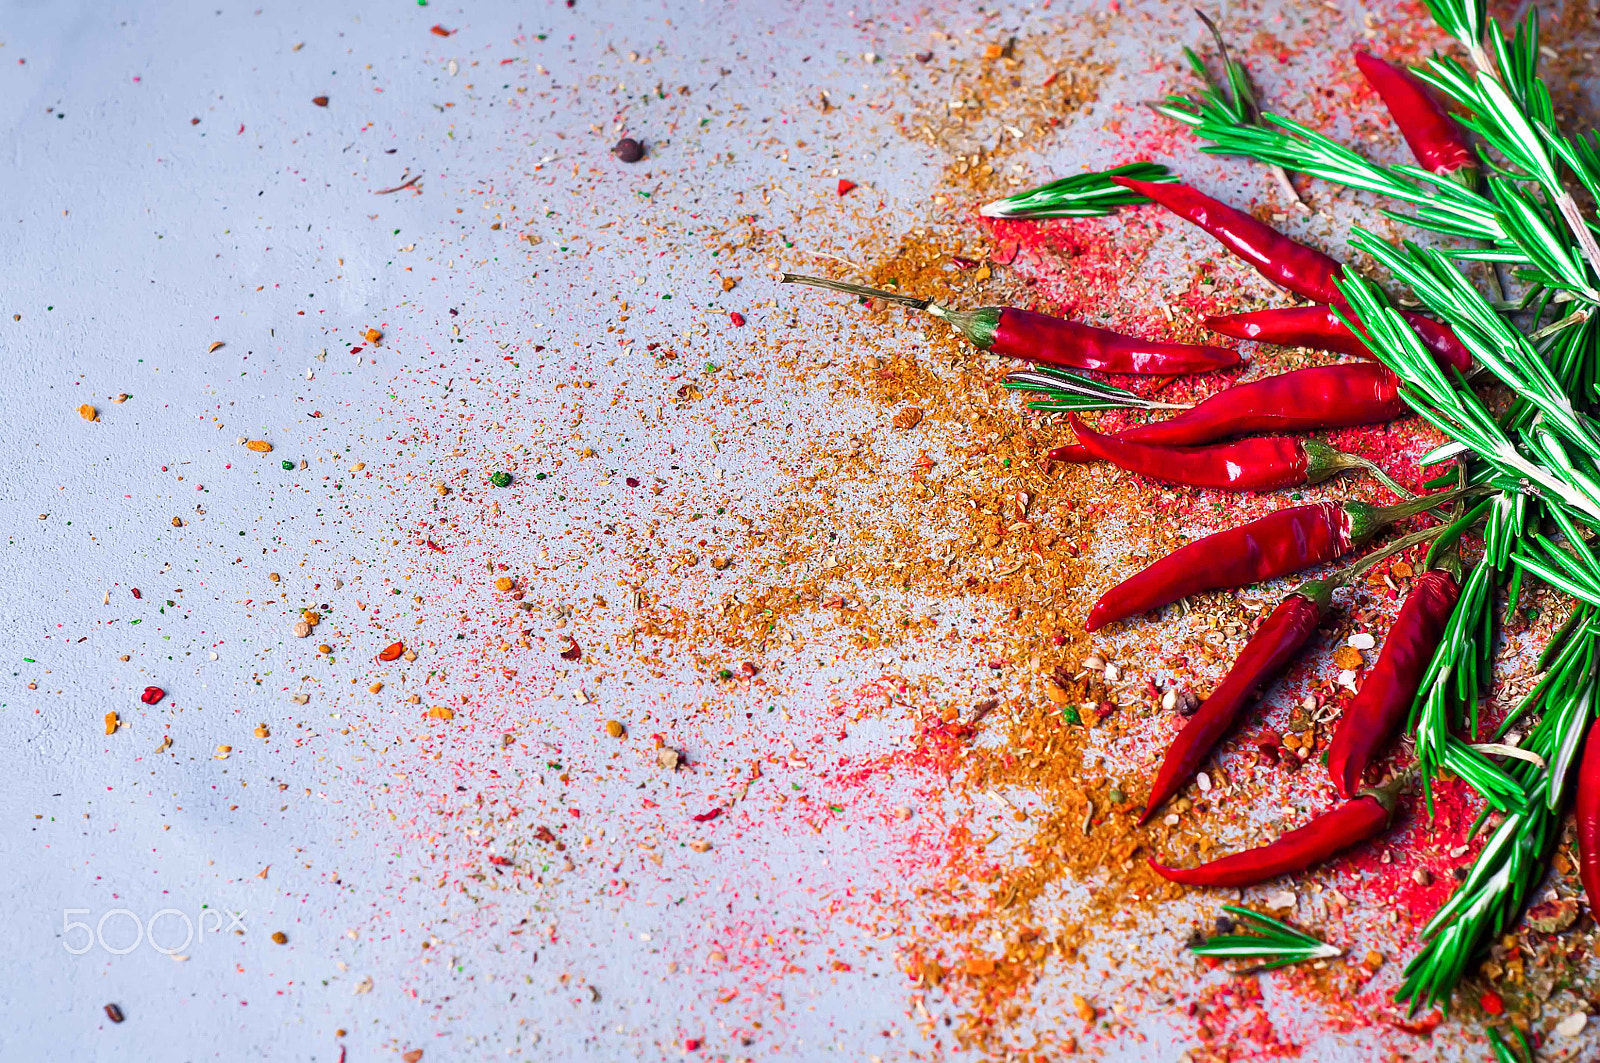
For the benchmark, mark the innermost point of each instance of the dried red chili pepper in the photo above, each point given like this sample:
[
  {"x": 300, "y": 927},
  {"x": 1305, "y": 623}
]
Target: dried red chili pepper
[
  {"x": 1264, "y": 464},
  {"x": 1265, "y": 656},
  {"x": 1322, "y": 396},
  {"x": 1276, "y": 545},
  {"x": 1351, "y": 823},
  {"x": 1375, "y": 714},
  {"x": 1282, "y": 261},
  {"x": 1439, "y": 144},
  {"x": 1319, "y": 328},
  {"x": 392, "y": 651},
  {"x": 152, "y": 695},
  {"x": 1588, "y": 813},
  {"x": 1035, "y": 337}
]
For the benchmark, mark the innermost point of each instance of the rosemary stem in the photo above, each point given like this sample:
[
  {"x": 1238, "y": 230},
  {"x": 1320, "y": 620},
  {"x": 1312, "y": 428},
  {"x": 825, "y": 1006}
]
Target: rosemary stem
[{"x": 1577, "y": 317}]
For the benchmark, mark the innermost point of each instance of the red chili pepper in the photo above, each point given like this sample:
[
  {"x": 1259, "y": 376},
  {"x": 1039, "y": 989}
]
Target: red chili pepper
[
  {"x": 1276, "y": 545},
  {"x": 152, "y": 695},
  {"x": 1372, "y": 718},
  {"x": 1322, "y": 396},
  {"x": 1588, "y": 813},
  {"x": 1249, "y": 465},
  {"x": 1265, "y": 656},
  {"x": 1073, "y": 345},
  {"x": 1319, "y": 328},
  {"x": 1349, "y": 824},
  {"x": 1281, "y": 260},
  {"x": 1038, "y": 337},
  {"x": 1436, "y": 140}
]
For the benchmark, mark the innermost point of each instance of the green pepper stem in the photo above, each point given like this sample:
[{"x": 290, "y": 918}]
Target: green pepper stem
[
  {"x": 1389, "y": 792},
  {"x": 977, "y": 326},
  {"x": 1320, "y": 591},
  {"x": 1323, "y": 461},
  {"x": 1367, "y": 521}
]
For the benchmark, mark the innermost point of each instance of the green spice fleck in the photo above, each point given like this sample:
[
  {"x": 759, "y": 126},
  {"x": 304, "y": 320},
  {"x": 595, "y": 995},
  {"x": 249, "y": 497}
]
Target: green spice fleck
[
  {"x": 288, "y": 465},
  {"x": 501, "y": 479}
]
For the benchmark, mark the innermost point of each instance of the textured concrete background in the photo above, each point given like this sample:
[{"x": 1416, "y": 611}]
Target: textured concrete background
[{"x": 134, "y": 237}]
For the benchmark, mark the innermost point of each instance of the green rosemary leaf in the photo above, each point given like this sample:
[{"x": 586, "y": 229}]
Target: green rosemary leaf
[
  {"x": 1277, "y": 943},
  {"x": 1061, "y": 390},
  {"x": 1082, "y": 195}
]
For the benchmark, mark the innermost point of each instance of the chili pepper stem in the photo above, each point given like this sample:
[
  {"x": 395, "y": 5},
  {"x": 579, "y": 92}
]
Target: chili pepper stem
[
  {"x": 858, "y": 289},
  {"x": 1367, "y": 521},
  {"x": 976, "y": 325},
  {"x": 1445, "y": 553},
  {"x": 1389, "y": 792},
  {"x": 1324, "y": 462},
  {"x": 1321, "y": 591}
]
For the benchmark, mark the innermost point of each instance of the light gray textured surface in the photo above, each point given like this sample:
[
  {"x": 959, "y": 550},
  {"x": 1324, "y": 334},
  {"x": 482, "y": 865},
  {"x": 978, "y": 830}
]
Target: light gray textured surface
[{"x": 132, "y": 239}]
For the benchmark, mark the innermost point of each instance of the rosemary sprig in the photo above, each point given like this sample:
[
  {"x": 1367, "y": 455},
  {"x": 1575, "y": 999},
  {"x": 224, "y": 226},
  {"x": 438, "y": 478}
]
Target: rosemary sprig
[
  {"x": 1541, "y": 455},
  {"x": 1275, "y": 944},
  {"x": 1513, "y": 860},
  {"x": 1449, "y": 691},
  {"x": 1084, "y": 195},
  {"x": 1060, "y": 390},
  {"x": 1229, "y": 104},
  {"x": 1510, "y": 109},
  {"x": 1528, "y": 218},
  {"x": 1556, "y": 460},
  {"x": 1504, "y": 1053}
]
